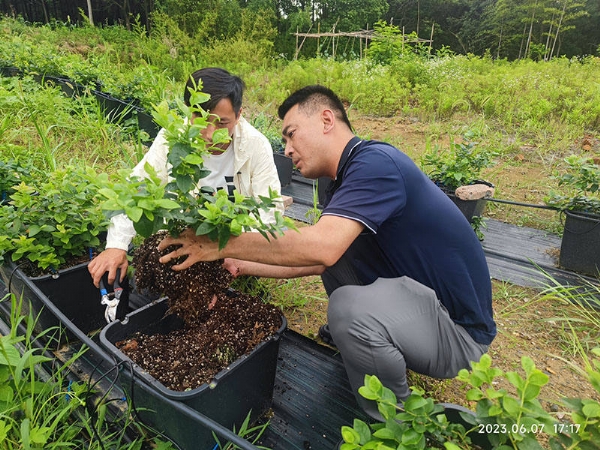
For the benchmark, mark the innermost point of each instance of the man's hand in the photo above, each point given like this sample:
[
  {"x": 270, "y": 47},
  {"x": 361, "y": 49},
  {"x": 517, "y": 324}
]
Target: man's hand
[
  {"x": 109, "y": 261},
  {"x": 234, "y": 266},
  {"x": 194, "y": 248}
]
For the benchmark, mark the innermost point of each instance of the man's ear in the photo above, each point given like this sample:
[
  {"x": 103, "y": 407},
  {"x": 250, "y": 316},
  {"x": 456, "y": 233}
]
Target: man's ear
[{"x": 328, "y": 119}]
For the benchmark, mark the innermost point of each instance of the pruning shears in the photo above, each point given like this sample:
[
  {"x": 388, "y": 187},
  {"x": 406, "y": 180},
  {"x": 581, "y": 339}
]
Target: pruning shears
[{"x": 111, "y": 299}]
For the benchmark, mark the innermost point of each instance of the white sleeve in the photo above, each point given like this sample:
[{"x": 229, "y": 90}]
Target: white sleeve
[{"x": 120, "y": 232}]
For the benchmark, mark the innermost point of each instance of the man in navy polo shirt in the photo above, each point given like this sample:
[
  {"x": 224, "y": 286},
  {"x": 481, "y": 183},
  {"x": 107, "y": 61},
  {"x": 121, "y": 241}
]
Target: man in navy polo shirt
[{"x": 407, "y": 278}]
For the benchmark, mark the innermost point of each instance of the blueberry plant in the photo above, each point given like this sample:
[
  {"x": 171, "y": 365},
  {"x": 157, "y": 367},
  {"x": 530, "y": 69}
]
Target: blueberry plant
[
  {"x": 581, "y": 186},
  {"x": 506, "y": 421},
  {"x": 50, "y": 222},
  {"x": 12, "y": 172},
  {"x": 459, "y": 165},
  {"x": 179, "y": 204}
]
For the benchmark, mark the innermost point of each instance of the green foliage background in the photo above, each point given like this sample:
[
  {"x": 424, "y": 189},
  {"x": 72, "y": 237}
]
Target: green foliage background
[
  {"x": 513, "y": 29},
  {"x": 543, "y": 106}
]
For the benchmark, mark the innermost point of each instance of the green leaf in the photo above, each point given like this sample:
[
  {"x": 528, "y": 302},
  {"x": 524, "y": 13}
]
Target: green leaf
[
  {"x": 349, "y": 435},
  {"x": 363, "y": 430},
  {"x": 374, "y": 385},
  {"x": 451, "y": 446},
  {"x": 5, "y": 428},
  {"x": 224, "y": 235},
  {"x": 6, "y": 393},
  {"x": 194, "y": 159},
  {"x": 135, "y": 213},
  {"x": 9, "y": 355},
  {"x": 39, "y": 435},
  {"x": 591, "y": 408},
  {"x": 474, "y": 395},
  {"x": 167, "y": 203},
  {"x": 511, "y": 406},
  {"x": 411, "y": 437},
  {"x": 205, "y": 228},
  {"x": 144, "y": 226},
  {"x": 414, "y": 402}
]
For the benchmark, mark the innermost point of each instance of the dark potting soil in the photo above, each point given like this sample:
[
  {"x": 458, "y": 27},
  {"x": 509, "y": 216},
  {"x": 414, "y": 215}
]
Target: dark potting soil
[
  {"x": 219, "y": 326},
  {"x": 32, "y": 270}
]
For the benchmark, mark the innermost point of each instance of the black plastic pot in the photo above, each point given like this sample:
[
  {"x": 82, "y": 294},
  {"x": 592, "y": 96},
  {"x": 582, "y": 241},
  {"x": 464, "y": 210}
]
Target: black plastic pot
[
  {"x": 64, "y": 300},
  {"x": 285, "y": 167},
  {"x": 48, "y": 80},
  {"x": 245, "y": 386},
  {"x": 469, "y": 208},
  {"x": 580, "y": 245}
]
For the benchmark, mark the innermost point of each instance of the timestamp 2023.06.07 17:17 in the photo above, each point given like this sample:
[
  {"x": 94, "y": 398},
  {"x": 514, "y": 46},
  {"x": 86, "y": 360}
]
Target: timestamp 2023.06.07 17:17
[{"x": 537, "y": 428}]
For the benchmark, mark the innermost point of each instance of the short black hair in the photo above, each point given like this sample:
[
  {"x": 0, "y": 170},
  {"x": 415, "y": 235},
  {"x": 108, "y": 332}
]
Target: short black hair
[
  {"x": 219, "y": 84},
  {"x": 310, "y": 97}
]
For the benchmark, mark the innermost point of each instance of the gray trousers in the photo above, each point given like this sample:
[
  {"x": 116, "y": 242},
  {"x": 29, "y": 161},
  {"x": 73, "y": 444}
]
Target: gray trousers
[{"x": 392, "y": 325}]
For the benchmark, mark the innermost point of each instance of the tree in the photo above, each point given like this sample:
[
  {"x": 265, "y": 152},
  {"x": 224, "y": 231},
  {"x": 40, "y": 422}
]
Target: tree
[
  {"x": 90, "y": 12},
  {"x": 562, "y": 16}
]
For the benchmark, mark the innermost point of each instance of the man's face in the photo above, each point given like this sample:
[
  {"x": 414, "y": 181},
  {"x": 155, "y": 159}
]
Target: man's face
[
  {"x": 221, "y": 116},
  {"x": 300, "y": 134}
]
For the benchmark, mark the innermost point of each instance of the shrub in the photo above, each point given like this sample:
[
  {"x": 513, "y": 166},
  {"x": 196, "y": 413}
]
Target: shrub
[
  {"x": 581, "y": 183},
  {"x": 459, "y": 165},
  {"x": 50, "y": 222},
  {"x": 508, "y": 422}
]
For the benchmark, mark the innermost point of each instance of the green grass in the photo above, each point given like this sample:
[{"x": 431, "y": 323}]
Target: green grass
[{"x": 43, "y": 407}]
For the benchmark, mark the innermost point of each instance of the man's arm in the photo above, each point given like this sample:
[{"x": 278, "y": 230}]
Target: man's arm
[
  {"x": 321, "y": 244},
  {"x": 238, "y": 267}
]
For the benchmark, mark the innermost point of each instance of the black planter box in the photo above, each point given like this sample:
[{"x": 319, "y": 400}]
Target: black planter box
[
  {"x": 147, "y": 124},
  {"x": 243, "y": 387},
  {"x": 10, "y": 71},
  {"x": 285, "y": 167},
  {"x": 580, "y": 246},
  {"x": 99, "y": 367},
  {"x": 114, "y": 110},
  {"x": 64, "y": 300},
  {"x": 70, "y": 88}
]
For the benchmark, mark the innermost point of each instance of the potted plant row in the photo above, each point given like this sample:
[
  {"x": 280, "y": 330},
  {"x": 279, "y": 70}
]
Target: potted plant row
[
  {"x": 579, "y": 203},
  {"x": 195, "y": 303},
  {"x": 115, "y": 109},
  {"x": 459, "y": 168},
  {"x": 51, "y": 228}
]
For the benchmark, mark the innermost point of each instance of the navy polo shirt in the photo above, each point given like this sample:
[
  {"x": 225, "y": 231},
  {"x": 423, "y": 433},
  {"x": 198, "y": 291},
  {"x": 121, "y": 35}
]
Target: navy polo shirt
[{"x": 412, "y": 229}]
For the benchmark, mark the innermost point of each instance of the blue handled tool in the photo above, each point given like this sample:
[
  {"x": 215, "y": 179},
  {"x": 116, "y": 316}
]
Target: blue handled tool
[{"x": 111, "y": 299}]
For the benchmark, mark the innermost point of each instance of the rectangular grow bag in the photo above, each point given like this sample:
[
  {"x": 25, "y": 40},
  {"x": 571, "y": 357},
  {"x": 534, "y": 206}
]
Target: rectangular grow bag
[
  {"x": 66, "y": 299},
  {"x": 246, "y": 386},
  {"x": 285, "y": 167},
  {"x": 580, "y": 245}
]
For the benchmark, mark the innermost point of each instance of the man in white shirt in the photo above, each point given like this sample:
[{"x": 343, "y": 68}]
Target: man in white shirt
[{"x": 244, "y": 164}]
